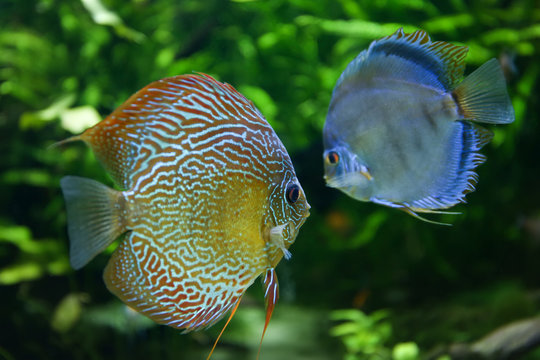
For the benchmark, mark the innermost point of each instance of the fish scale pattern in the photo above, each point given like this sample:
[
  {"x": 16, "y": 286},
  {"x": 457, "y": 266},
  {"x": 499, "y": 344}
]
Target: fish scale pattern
[{"x": 204, "y": 177}]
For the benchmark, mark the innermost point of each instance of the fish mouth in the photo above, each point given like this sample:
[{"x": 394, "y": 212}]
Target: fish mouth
[
  {"x": 356, "y": 185},
  {"x": 306, "y": 213},
  {"x": 354, "y": 179}
]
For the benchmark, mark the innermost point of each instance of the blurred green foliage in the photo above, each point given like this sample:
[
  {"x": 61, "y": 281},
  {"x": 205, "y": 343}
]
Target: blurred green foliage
[
  {"x": 364, "y": 336},
  {"x": 66, "y": 64}
]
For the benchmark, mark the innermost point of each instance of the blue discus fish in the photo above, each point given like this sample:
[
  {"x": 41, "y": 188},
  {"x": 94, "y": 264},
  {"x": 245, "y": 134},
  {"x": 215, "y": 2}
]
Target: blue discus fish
[{"x": 400, "y": 129}]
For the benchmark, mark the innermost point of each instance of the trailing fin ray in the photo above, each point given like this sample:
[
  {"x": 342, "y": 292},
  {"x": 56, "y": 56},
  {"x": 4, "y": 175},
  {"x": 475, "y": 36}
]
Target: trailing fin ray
[
  {"x": 224, "y": 327},
  {"x": 413, "y": 211},
  {"x": 65, "y": 141}
]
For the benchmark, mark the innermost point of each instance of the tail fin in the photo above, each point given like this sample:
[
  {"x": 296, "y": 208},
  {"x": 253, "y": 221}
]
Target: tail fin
[
  {"x": 482, "y": 96},
  {"x": 94, "y": 214}
]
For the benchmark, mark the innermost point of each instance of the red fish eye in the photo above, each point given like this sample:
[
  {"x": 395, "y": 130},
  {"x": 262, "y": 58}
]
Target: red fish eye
[
  {"x": 332, "y": 157},
  {"x": 293, "y": 193}
]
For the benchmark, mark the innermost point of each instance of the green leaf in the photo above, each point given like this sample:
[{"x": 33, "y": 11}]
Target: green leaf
[
  {"x": 449, "y": 23},
  {"x": 405, "y": 351},
  {"x": 36, "y": 258},
  {"x": 369, "y": 230},
  {"x": 24, "y": 271},
  {"x": 31, "y": 177},
  {"x": 37, "y": 119},
  {"x": 354, "y": 28},
  {"x": 78, "y": 119},
  {"x": 68, "y": 312}
]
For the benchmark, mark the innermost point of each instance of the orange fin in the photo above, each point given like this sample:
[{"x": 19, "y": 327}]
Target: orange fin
[
  {"x": 224, "y": 327},
  {"x": 271, "y": 296}
]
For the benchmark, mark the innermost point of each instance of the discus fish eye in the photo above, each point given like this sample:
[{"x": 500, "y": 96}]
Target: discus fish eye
[
  {"x": 293, "y": 193},
  {"x": 332, "y": 157}
]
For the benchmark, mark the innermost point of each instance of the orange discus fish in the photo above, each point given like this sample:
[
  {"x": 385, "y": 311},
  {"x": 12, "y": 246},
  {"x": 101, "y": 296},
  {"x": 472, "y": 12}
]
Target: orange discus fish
[{"x": 209, "y": 202}]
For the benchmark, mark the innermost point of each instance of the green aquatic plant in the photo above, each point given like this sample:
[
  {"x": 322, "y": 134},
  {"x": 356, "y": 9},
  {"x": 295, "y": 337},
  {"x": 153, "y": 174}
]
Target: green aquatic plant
[
  {"x": 35, "y": 257},
  {"x": 368, "y": 336}
]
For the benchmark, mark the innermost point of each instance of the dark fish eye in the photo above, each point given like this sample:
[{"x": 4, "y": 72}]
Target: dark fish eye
[
  {"x": 293, "y": 193},
  {"x": 332, "y": 157}
]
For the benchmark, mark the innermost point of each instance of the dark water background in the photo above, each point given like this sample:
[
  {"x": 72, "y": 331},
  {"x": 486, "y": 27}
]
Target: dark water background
[{"x": 408, "y": 289}]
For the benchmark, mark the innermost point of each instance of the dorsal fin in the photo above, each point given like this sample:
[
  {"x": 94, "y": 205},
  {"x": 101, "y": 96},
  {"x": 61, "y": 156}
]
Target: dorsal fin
[{"x": 443, "y": 60}]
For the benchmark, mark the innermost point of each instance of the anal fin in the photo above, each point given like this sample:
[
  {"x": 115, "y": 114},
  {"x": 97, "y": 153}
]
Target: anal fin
[
  {"x": 459, "y": 179},
  {"x": 158, "y": 284}
]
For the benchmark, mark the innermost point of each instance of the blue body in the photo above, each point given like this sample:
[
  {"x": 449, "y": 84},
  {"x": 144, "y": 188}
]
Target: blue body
[{"x": 398, "y": 123}]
